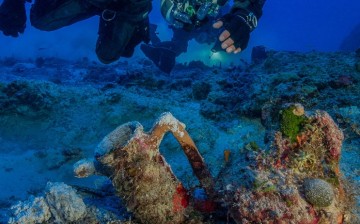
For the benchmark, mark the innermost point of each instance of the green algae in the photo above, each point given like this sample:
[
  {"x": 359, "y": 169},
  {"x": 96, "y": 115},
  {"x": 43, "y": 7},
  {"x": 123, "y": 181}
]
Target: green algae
[{"x": 291, "y": 124}]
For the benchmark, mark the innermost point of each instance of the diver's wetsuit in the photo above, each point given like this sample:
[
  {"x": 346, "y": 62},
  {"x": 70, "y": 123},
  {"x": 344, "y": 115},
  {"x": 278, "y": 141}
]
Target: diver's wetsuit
[
  {"x": 123, "y": 23},
  {"x": 163, "y": 54}
]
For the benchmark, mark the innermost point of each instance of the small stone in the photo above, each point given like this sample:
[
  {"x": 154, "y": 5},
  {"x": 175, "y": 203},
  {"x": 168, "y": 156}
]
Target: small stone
[
  {"x": 299, "y": 109},
  {"x": 318, "y": 192}
]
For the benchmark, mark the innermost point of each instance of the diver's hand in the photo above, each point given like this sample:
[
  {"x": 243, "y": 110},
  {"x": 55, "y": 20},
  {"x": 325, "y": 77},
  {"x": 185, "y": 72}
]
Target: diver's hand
[
  {"x": 236, "y": 34},
  {"x": 178, "y": 19},
  {"x": 12, "y": 17}
]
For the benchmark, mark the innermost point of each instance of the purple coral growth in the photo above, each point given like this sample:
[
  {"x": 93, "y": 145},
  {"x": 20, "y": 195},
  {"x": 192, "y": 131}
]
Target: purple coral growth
[{"x": 333, "y": 135}]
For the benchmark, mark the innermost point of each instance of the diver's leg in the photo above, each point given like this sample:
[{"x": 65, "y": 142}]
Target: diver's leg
[
  {"x": 180, "y": 40},
  {"x": 178, "y": 44},
  {"x": 50, "y": 15},
  {"x": 103, "y": 4},
  {"x": 112, "y": 40},
  {"x": 119, "y": 37},
  {"x": 140, "y": 34},
  {"x": 164, "y": 53},
  {"x": 162, "y": 57}
]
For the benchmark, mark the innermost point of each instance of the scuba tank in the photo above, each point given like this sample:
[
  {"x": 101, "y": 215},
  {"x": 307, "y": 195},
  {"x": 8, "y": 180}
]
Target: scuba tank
[{"x": 199, "y": 12}]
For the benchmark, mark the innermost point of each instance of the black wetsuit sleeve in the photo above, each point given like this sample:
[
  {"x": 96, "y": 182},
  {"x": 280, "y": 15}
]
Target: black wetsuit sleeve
[{"x": 254, "y": 6}]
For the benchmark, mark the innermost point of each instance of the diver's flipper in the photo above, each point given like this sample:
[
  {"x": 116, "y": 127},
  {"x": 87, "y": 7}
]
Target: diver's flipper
[
  {"x": 163, "y": 58},
  {"x": 150, "y": 53}
]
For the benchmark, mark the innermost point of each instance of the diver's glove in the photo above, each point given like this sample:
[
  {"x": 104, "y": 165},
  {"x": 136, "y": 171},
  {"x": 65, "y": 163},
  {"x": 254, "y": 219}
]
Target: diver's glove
[
  {"x": 12, "y": 17},
  {"x": 239, "y": 24}
]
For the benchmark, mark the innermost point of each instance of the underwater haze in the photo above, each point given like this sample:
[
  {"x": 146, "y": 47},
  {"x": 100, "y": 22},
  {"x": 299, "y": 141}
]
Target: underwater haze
[{"x": 270, "y": 135}]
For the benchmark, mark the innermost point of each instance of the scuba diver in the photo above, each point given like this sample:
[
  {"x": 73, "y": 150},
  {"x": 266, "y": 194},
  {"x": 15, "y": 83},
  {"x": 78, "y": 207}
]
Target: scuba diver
[
  {"x": 125, "y": 23},
  {"x": 193, "y": 21}
]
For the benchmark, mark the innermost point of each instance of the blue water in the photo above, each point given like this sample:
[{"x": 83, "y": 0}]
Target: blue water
[{"x": 286, "y": 25}]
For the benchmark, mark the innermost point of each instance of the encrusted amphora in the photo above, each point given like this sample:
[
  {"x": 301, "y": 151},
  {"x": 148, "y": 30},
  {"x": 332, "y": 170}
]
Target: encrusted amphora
[{"x": 130, "y": 157}]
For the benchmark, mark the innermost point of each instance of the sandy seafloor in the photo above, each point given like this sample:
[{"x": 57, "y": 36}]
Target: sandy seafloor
[{"x": 54, "y": 112}]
